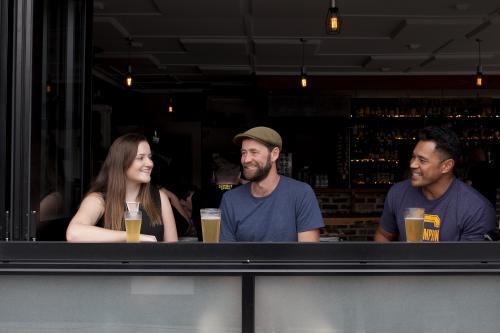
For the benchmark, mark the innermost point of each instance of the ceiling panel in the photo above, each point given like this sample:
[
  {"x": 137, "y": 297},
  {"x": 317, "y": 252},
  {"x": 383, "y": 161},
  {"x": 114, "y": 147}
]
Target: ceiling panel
[
  {"x": 367, "y": 46},
  {"x": 417, "y": 31},
  {"x": 470, "y": 46},
  {"x": 199, "y": 8},
  {"x": 354, "y": 27},
  {"x": 446, "y": 8},
  {"x": 179, "y": 27},
  {"x": 491, "y": 32},
  {"x": 216, "y": 46},
  {"x": 226, "y": 70},
  {"x": 203, "y": 40},
  {"x": 328, "y": 61},
  {"x": 395, "y": 63},
  {"x": 175, "y": 69},
  {"x": 139, "y": 64},
  {"x": 283, "y": 8},
  {"x": 459, "y": 63},
  {"x": 292, "y": 48},
  {"x": 124, "y": 7},
  {"x": 191, "y": 59},
  {"x": 111, "y": 38},
  {"x": 158, "y": 44}
]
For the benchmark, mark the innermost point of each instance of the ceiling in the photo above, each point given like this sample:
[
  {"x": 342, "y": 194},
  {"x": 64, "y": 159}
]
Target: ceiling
[{"x": 193, "y": 44}]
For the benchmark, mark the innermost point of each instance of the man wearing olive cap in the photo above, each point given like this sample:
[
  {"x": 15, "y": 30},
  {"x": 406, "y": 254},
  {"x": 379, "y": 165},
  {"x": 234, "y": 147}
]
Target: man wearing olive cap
[{"x": 270, "y": 207}]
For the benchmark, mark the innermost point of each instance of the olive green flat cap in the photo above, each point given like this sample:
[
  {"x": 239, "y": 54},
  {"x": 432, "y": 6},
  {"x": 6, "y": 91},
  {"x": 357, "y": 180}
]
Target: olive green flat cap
[{"x": 263, "y": 134}]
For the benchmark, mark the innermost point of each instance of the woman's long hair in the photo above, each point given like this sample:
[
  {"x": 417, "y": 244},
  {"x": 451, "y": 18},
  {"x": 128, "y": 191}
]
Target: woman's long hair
[{"x": 111, "y": 182}]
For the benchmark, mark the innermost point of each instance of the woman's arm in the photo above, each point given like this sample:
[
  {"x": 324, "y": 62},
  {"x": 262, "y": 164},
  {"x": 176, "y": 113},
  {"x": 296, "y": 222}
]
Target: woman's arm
[
  {"x": 82, "y": 227},
  {"x": 169, "y": 229}
]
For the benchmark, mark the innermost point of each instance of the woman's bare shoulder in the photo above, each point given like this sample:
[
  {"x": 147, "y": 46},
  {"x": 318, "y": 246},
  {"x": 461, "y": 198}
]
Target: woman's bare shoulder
[{"x": 94, "y": 197}]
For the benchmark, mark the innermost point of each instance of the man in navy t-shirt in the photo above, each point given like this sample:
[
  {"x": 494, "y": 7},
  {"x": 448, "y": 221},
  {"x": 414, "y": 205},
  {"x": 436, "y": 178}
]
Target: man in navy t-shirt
[
  {"x": 270, "y": 207},
  {"x": 454, "y": 211}
]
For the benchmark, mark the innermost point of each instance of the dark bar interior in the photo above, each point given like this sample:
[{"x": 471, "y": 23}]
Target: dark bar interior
[{"x": 348, "y": 86}]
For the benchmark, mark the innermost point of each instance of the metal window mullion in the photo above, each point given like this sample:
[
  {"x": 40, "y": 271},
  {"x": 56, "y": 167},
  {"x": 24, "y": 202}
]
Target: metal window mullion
[
  {"x": 248, "y": 303},
  {"x": 20, "y": 206}
]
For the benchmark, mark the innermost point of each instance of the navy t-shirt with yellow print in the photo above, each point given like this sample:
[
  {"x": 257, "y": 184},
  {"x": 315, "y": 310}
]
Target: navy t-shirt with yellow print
[{"x": 460, "y": 214}]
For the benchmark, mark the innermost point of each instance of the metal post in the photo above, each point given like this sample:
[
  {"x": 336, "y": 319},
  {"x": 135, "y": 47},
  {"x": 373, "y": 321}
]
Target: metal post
[
  {"x": 248, "y": 303},
  {"x": 21, "y": 117}
]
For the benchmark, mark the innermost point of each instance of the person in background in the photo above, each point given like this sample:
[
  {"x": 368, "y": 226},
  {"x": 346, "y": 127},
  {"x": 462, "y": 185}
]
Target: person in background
[
  {"x": 270, "y": 207},
  {"x": 181, "y": 209},
  {"x": 226, "y": 177},
  {"x": 453, "y": 210},
  {"x": 124, "y": 176},
  {"x": 186, "y": 199},
  {"x": 482, "y": 175}
]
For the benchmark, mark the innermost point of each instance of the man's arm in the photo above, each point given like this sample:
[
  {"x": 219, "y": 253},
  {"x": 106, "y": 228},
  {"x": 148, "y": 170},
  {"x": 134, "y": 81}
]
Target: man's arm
[
  {"x": 383, "y": 236},
  {"x": 309, "y": 236},
  {"x": 308, "y": 217},
  {"x": 479, "y": 223}
]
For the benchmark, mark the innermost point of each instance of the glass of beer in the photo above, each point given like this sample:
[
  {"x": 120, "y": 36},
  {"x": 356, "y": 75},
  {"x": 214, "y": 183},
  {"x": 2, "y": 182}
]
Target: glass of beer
[
  {"x": 133, "y": 220},
  {"x": 210, "y": 224},
  {"x": 414, "y": 224}
]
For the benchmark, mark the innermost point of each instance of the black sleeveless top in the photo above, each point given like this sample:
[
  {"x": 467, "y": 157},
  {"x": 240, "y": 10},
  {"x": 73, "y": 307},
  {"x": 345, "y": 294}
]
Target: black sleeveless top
[{"x": 147, "y": 228}]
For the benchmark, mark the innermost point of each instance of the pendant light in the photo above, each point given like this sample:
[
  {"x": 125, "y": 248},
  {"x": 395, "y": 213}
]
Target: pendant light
[
  {"x": 479, "y": 69},
  {"x": 303, "y": 77},
  {"x": 128, "y": 77},
  {"x": 170, "y": 107},
  {"x": 333, "y": 20}
]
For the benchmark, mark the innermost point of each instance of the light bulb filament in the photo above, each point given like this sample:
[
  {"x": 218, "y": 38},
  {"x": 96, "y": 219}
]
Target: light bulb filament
[{"x": 334, "y": 23}]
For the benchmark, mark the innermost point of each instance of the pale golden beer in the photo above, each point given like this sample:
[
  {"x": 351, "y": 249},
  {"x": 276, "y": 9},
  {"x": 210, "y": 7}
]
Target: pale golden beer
[
  {"x": 414, "y": 229},
  {"x": 211, "y": 230},
  {"x": 133, "y": 222},
  {"x": 414, "y": 224},
  {"x": 210, "y": 224}
]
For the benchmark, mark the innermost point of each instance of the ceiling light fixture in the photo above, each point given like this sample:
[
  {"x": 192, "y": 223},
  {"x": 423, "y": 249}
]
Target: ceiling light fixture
[
  {"x": 479, "y": 69},
  {"x": 333, "y": 20},
  {"x": 303, "y": 77},
  {"x": 128, "y": 78}
]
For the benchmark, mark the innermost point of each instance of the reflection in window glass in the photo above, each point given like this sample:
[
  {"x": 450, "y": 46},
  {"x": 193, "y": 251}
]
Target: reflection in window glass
[{"x": 59, "y": 153}]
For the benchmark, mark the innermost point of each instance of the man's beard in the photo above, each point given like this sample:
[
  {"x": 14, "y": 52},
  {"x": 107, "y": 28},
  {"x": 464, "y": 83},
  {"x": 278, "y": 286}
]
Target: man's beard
[{"x": 261, "y": 172}]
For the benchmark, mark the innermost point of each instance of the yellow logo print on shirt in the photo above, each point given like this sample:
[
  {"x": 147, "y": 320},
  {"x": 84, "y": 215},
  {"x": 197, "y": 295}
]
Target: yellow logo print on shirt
[{"x": 432, "y": 223}]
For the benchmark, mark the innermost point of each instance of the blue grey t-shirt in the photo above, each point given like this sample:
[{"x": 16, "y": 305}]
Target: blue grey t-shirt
[
  {"x": 291, "y": 208},
  {"x": 460, "y": 214}
]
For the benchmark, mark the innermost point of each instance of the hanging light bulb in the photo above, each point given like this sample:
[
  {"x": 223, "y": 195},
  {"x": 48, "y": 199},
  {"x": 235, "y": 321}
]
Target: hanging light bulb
[
  {"x": 333, "y": 20},
  {"x": 479, "y": 69},
  {"x": 303, "y": 77},
  {"x": 170, "y": 105},
  {"x": 479, "y": 79},
  {"x": 128, "y": 79}
]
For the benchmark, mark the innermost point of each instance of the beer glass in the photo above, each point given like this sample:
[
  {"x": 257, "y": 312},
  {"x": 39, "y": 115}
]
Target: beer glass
[
  {"x": 210, "y": 224},
  {"x": 133, "y": 221},
  {"x": 414, "y": 224}
]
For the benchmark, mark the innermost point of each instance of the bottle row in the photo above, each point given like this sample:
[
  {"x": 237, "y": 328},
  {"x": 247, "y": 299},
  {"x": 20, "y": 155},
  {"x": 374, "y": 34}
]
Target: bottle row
[
  {"x": 375, "y": 136},
  {"x": 453, "y": 112},
  {"x": 376, "y": 178},
  {"x": 316, "y": 180}
]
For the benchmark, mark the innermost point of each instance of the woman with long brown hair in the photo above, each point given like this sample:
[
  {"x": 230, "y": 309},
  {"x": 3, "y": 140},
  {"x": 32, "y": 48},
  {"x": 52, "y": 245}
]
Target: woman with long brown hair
[{"x": 125, "y": 176}]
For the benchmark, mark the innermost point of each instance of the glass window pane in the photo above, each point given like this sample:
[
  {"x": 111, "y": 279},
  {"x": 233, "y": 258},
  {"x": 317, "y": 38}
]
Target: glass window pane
[
  {"x": 59, "y": 153},
  {"x": 379, "y": 304},
  {"x": 146, "y": 304}
]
